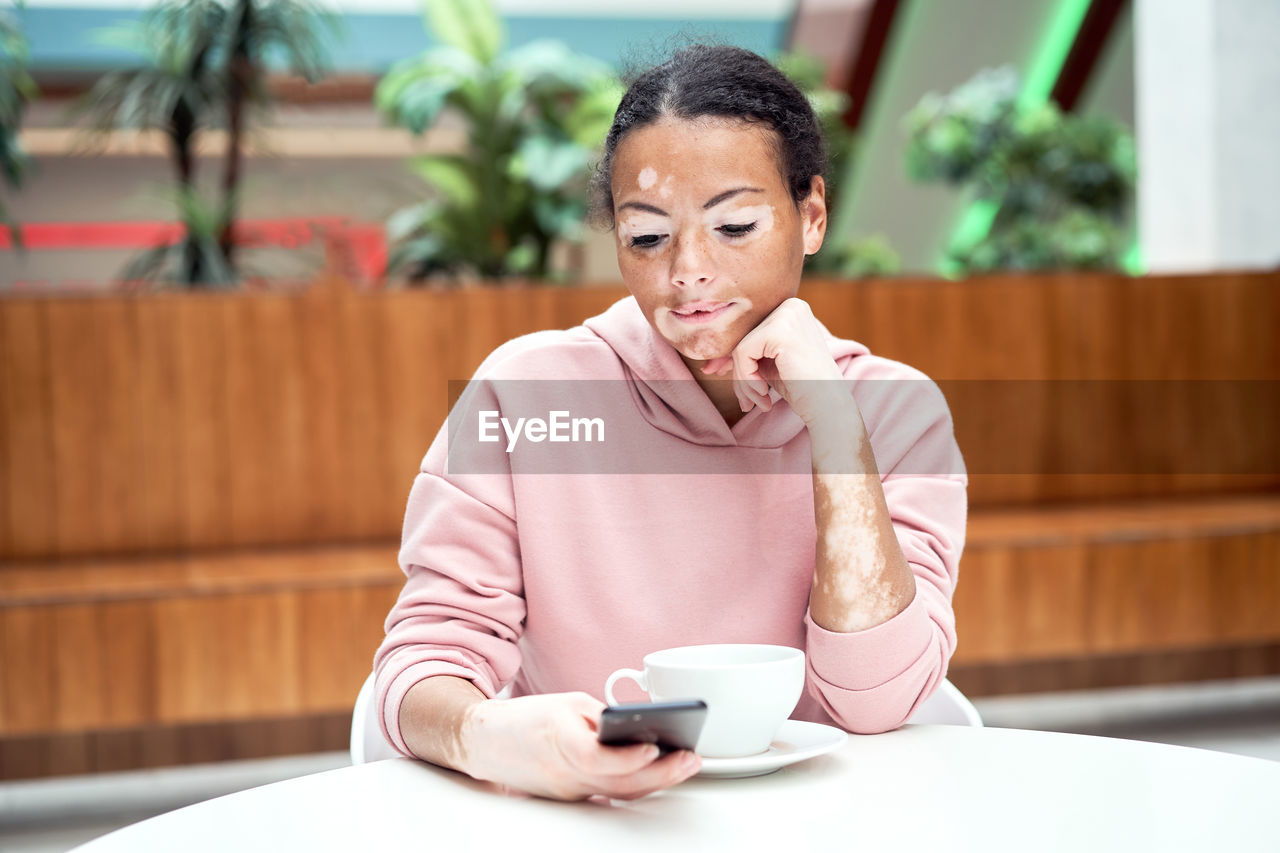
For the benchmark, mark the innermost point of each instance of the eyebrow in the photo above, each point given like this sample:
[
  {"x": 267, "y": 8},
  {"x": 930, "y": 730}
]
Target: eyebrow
[{"x": 712, "y": 202}]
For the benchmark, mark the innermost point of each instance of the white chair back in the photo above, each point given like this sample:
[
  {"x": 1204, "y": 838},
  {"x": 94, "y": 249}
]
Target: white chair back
[
  {"x": 367, "y": 742},
  {"x": 948, "y": 707}
]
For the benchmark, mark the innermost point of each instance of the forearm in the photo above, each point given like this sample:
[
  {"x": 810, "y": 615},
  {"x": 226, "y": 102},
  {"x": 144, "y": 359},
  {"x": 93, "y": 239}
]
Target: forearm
[
  {"x": 434, "y": 719},
  {"x": 861, "y": 577}
]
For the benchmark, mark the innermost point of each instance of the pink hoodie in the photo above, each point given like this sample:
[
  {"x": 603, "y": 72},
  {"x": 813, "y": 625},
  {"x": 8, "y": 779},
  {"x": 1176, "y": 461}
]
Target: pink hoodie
[{"x": 547, "y": 565}]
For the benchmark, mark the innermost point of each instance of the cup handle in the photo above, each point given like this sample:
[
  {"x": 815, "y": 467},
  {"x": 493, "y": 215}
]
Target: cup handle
[{"x": 634, "y": 674}]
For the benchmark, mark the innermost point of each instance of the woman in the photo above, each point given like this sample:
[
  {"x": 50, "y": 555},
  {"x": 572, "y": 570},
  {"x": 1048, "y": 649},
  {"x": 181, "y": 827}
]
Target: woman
[{"x": 844, "y": 541}]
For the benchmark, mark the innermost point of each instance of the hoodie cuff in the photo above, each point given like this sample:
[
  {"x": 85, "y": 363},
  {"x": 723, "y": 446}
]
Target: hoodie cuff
[
  {"x": 400, "y": 686},
  {"x": 865, "y": 660}
]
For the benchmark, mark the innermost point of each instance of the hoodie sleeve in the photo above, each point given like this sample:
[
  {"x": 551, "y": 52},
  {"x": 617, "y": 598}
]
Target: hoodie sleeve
[
  {"x": 462, "y": 606},
  {"x": 872, "y": 681}
]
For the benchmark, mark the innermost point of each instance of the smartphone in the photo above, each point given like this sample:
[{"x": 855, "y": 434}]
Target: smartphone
[{"x": 671, "y": 725}]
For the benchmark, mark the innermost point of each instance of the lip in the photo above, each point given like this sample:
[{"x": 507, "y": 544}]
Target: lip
[{"x": 700, "y": 312}]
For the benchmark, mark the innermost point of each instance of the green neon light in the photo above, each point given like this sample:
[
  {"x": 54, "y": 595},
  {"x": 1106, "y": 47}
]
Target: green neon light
[
  {"x": 1046, "y": 64},
  {"x": 974, "y": 225},
  {"x": 1037, "y": 84},
  {"x": 1132, "y": 260}
]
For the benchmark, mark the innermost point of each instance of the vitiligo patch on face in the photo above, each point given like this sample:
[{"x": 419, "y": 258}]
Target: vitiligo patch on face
[
  {"x": 760, "y": 214},
  {"x": 648, "y": 177},
  {"x": 631, "y": 226}
]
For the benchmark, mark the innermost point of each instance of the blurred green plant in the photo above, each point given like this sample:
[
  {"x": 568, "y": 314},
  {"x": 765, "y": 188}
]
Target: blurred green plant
[
  {"x": 1060, "y": 184},
  {"x": 841, "y": 255},
  {"x": 205, "y": 66},
  {"x": 534, "y": 118},
  {"x": 17, "y": 89}
]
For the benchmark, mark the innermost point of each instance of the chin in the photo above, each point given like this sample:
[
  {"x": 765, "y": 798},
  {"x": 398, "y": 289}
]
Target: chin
[{"x": 704, "y": 350}]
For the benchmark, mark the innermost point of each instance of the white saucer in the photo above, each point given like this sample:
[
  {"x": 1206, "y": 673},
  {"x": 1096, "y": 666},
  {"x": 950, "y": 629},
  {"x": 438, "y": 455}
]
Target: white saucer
[{"x": 795, "y": 741}]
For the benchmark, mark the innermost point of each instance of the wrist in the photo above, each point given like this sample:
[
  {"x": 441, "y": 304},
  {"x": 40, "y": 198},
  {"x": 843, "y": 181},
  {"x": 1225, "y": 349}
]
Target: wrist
[
  {"x": 824, "y": 404},
  {"x": 469, "y": 761},
  {"x": 838, "y": 440},
  {"x": 436, "y": 721}
]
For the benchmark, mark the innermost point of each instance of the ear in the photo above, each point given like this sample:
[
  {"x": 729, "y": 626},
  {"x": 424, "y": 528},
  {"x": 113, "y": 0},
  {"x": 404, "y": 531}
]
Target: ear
[{"x": 813, "y": 215}]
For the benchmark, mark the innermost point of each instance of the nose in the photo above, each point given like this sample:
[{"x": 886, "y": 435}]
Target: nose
[{"x": 691, "y": 264}]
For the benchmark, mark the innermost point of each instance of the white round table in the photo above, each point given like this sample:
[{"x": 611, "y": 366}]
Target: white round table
[{"x": 928, "y": 788}]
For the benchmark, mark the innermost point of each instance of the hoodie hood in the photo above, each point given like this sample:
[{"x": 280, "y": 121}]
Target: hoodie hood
[{"x": 670, "y": 399}]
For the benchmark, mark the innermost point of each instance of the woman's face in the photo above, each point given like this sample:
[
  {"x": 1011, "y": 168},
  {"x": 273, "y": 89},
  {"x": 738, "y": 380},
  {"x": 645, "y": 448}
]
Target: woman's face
[{"x": 709, "y": 239}]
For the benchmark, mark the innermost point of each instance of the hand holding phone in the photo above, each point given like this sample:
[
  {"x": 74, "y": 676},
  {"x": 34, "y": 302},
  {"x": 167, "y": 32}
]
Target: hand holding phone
[{"x": 671, "y": 725}]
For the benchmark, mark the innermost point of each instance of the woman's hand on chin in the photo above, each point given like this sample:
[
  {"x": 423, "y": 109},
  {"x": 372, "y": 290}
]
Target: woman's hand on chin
[
  {"x": 787, "y": 352},
  {"x": 546, "y": 745}
]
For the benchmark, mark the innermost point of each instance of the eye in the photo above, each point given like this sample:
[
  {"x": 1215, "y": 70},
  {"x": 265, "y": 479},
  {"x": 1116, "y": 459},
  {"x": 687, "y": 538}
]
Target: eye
[
  {"x": 645, "y": 241},
  {"x": 737, "y": 230}
]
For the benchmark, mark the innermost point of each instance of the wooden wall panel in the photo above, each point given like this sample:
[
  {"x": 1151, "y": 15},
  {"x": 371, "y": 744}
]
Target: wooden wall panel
[
  {"x": 1065, "y": 326},
  {"x": 577, "y": 304},
  {"x": 1170, "y": 593},
  {"x": 93, "y": 362},
  {"x": 209, "y": 420},
  {"x": 321, "y": 515},
  {"x": 161, "y": 452},
  {"x": 1156, "y": 592},
  {"x": 232, "y": 637},
  {"x": 341, "y": 630},
  {"x": 27, "y": 635},
  {"x": 203, "y": 422},
  {"x": 1018, "y": 603},
  {"x": 264, "y": 415},
  {"x": 79, "y": 668},
  {"x": 27, "y": 479},
  {"x": 360, "y": 337},
  {"x": 1246, "y": 588},
  {"x": 418, "y": 362},
  {"x": 6, "y": 537},
  {"x": 34, "y": 756},
  {"x": 224, "y": 657},
  {"x": 105, "y": 665},
  {"x": 1095, "y": 672},
  {"x": 127, "y": 639},
  {"x": 1084, "y": 336}
]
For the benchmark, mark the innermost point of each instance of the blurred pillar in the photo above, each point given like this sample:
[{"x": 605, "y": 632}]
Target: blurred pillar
[{"x": 1208, "y": 132}]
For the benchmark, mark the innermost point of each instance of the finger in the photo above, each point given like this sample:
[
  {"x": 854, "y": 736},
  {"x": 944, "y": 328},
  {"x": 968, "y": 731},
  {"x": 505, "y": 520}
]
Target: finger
[
  {"x": 747, "y": 391},
  {"x": 745, "y": 363},
  {"x": 748, "y": 363},
  {"x": 588, "y": 706},
  {"x": 720, "y": 364},
  {"x": 671, "y": 769},
  {"x": 582, "y": 749},
  {"x": 598, "y": 759},
  {"x": 755, "y": 384}
]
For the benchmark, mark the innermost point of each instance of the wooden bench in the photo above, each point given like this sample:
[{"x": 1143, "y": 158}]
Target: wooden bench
[
  {"x": 115, "y": 663},
  {"x": 1056, "y": 598},
  {"x": 201, "y": 497}
]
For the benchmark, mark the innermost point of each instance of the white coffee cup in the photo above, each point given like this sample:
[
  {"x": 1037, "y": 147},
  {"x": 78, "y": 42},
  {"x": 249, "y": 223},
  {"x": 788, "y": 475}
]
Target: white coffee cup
[{"x": 750, "y": 690}]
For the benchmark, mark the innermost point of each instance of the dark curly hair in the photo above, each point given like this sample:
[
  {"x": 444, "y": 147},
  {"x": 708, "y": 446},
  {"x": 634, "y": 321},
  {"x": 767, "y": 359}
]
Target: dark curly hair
[{"x": 718, "y": 81}]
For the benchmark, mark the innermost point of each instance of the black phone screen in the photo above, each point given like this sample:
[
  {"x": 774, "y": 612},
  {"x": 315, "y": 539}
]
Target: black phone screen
[{"x": 671, "y": 725}]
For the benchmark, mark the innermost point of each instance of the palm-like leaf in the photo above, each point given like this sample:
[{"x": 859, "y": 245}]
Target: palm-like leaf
[
  {"x": 196, "y": 259},
  {"x": 294, "y": 30},
  {"x": 144, "y": 99},
  {"x": 16, "y": 90},
  {"x": 178, "y": 41},
  {"x": 204, "y": 64}
]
